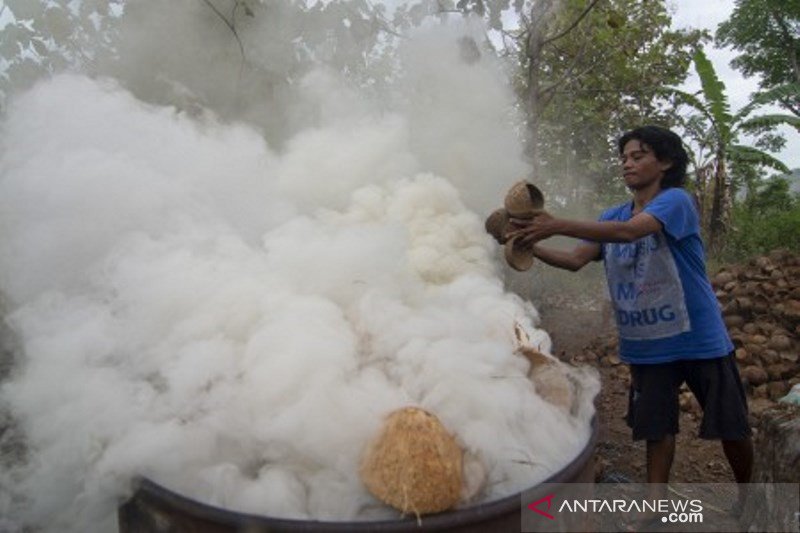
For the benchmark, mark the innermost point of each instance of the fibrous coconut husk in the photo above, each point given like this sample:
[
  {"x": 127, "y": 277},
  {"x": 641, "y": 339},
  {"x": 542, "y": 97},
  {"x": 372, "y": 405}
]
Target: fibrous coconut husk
[{"x": 414, "y": 464}]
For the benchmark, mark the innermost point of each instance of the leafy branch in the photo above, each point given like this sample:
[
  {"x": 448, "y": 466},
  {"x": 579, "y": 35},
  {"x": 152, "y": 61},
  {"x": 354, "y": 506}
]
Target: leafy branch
[
  {"x": 230, "y": 24},
  {"x": 574, "y": 24}
]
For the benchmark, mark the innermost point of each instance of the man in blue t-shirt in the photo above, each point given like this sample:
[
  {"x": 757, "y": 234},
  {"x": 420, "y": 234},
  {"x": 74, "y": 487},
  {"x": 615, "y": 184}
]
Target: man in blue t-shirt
[{"x": 670, "y": 326}]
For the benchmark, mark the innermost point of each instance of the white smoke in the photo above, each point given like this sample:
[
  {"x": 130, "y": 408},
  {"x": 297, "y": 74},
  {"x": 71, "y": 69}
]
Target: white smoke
[{"x": 234, "y": 322}]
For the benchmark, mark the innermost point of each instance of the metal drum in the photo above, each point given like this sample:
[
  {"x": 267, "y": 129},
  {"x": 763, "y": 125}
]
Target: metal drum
[{"x": 153, "y": 508}]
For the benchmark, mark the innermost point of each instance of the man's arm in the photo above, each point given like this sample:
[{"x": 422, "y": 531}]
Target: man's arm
[
  {"x": 574, "y": 260},
  {"x": 545, "y": 225}
]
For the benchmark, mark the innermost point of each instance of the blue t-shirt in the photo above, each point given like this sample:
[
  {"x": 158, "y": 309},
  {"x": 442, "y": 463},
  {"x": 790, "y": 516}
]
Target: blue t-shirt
[{"x": 665, "y": 307}]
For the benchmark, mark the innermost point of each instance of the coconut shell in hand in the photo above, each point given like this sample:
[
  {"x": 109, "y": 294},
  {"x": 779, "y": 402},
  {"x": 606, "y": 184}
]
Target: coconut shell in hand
[
  {"x": 519, "y": 254},
  {"x": 523, "y": 200},
  {"x": 497, "y": 225},
  {"x": 414, "y": 464}
]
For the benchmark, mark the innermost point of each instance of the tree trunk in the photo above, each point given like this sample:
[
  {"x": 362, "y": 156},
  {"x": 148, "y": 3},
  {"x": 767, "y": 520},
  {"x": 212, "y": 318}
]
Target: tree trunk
[
  {"x": 534, "y": 55},
  {"x": 720, "y": 205},
  {"x": 701, "y": 195}
]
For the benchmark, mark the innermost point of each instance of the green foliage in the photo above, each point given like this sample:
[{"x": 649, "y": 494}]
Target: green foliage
[
  {"x": 765, "y": 32},
  {"x": 771, "y": 196},
  {"x": 769, "y": 218},
  {"x": 748, "y": 156},
  {"x": 46, "y": 37},
  {"x": 599, "y": 80},
  {"x": 722, "y": 165},
  {"x": 781, "y": 94},
  {"x": 715, "y": 105},
  {"x": 769, "y": 121}
]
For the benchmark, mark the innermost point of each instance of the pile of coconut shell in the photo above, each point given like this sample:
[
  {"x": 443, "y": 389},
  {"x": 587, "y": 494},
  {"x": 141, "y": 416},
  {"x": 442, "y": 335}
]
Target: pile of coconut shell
[
  {"x": 760, "y": 303},
  {"x": 761, "y": 307}
]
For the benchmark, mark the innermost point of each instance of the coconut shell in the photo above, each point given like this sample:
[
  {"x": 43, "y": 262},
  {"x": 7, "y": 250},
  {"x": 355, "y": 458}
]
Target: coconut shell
[
  {"x": 754, "y": 375},
  {"x": 738, "y": 338},
  {"x": 760, "y": 304},
  {"x": 780, "y": 371},
  {"x": 777, "y": 390},
  {"x": 723, "y": 278},
  {"x": 523, "y": 200},
  {"x": 755, "y": 349},
  {"x": 523, "y": 339},
  {"x": 743, "y": 357},
  {"x": 745, "y": 304},
  {"x": 548, "y": 374},
  {"x": 740, "y": 290},
  {"x": 733, "y": 321},
  {"x": 519, "y": 254},
  {"x": 552, "y": 384},
  {"x": 535, "y": 357},
  {"x": 769, "y": 357},
  {"x": 750, "y": 328},
  {"x": 497, "y": 225},
  {"x": 779, "y": 343},
  {"x": 414, "y": 464}
]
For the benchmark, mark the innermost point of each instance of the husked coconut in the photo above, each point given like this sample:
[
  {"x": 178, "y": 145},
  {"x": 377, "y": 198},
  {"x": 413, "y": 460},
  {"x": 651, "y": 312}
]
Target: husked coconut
[{"x": 414, "y": 464}]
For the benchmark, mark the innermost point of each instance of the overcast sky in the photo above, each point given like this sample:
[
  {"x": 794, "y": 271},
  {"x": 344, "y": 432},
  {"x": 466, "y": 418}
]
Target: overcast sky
[{"x": 708, "y": 14}]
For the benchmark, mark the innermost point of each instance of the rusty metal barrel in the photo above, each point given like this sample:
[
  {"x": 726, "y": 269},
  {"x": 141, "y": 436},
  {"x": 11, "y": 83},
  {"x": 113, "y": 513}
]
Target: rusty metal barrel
[{"x": 156, "y": 509}]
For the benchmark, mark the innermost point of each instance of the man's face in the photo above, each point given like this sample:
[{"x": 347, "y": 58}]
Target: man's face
[{"x": 640, "y": 167}]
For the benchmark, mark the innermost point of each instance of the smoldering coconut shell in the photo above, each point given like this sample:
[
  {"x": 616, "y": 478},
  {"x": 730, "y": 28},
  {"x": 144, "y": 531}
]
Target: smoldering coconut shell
[
  {"x": 553, "y": 385},
  {"x": 550, "y": 378},
  {"x": 414, "y": 464}
]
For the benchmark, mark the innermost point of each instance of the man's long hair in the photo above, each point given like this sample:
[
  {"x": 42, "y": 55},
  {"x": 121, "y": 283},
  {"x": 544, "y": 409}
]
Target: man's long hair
[{"x": 667, "y": 146}]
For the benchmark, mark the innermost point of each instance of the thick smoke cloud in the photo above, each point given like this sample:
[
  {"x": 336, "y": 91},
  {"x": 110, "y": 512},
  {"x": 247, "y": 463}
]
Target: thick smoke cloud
[{"x": 234, "y": 320}]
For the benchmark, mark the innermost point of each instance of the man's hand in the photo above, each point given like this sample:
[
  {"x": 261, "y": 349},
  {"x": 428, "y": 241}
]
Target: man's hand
[
  {"x": 531, "y": 230},
  {"x": 543, "y": 225}
]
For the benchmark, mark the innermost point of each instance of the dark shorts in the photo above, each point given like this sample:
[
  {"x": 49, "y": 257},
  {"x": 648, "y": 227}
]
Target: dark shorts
[{"x": 653, "y": 408}]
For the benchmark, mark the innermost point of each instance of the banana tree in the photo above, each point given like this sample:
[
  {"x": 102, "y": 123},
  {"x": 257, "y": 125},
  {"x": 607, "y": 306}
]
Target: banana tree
[{"x": 716, "y": 129}]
